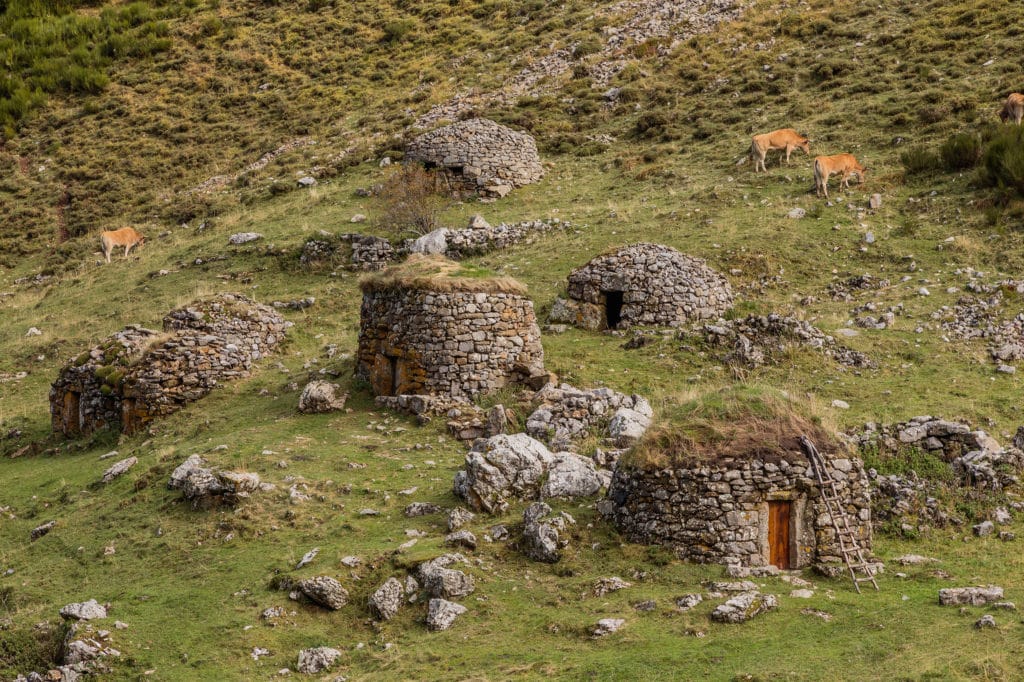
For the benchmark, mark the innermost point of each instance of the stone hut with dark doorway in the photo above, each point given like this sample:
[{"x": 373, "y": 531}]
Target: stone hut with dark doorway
[
  {"x": 642, "y": 285},
  {"x": 431, "y": 326},
  {"x": 737, "y": 488},
  {"x": 138, "y": 374},
  {"x": 478, "y": 156}
]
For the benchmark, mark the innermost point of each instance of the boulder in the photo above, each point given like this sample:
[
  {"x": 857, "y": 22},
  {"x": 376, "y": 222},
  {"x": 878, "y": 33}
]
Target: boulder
[
  {"x": 385, "y": 601},
  {"x": 477, "y": 222},
  {"x": 502, "y": 467},
  {"x": 181, "y": 473},
  {"x": 421, "y": 509},
  {"x": 435, "y": 242},
  {"x": 688, "y": 601},
  {"x": 459, "y": 517},
  {"x": 325, "y": 591},
  {"x": 244, "y": 237},
  {"x": 461, "y": 538},
  {"x": 41, "y": 530},
  {"x": 541, "y": 541},
  {"x": 607, "y": 626},
  {"x": 986, "y": 621},
  {"x": 307, "y": 181},
  {"x": 570, "y": 475},
  {"x": 984, "y": 528},
  {"x": 440, "y": 581},
  {"x": 87, "y": 610},
  {"x": 441, "y": 613},
  {"x": 317, "y": 660},
  {"x": 975, "y": 596},
  {"x": 119, "y": 468},
  {"x": 743, "y": 607},
  {"x": 319, "y": 397},
  {"x": 628, "y": 426}
]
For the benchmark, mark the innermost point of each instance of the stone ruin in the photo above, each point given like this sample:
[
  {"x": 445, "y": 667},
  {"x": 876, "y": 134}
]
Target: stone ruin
[
  {"x": 478, "y": 156},
  {"x": 642, "y": 284},
  {"x": 138, "y": 374},
  {"x": 364, "y": 252},
  {"x": 424, "y": 329},
  {"x": 748, "y": 510}
]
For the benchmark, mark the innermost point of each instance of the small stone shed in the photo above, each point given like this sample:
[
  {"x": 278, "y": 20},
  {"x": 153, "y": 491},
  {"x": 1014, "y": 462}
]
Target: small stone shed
[
  {"x": 478, "y": 156},
  {"x": 759, "y": 507},
  {"x": 433, "y": 326},
  {"x": 138, "y": 374},
  {"x": 642, "y": 284}
]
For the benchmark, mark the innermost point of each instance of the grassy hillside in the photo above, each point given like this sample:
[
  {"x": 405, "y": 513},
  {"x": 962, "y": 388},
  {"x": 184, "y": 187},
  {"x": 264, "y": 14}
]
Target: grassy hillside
[{"x": 657, "y": 165}]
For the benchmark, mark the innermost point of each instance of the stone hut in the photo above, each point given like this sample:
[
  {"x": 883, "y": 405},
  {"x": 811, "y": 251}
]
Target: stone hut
[
  {"x": 139, "y": 374},
  {"x": 432, "y": 326},
  {"x": 752, "y": 501},
  {"x": 478, "y": 156},
  {"x": 642, "y": 284}
]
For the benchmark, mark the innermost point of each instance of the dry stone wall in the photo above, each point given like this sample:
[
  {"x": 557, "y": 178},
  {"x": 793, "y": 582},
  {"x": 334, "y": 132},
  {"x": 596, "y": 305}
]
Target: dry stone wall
[
  {"x": 718, "y": 512},
  {"x": 479, "y": 156},
  {"x": 643, "y": 284},
  {"x": 454, "y": 343},
  {"x": 138, "y": 375}
]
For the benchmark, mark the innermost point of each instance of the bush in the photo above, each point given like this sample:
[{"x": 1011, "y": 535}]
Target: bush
[
  {"x": 960, "y": 151},
  {"x": 395, "y": 31},
  {"x": 1002, "y": 163},
  {"x": 410, "y": 200},
  {"x": 919, "y": 160}
]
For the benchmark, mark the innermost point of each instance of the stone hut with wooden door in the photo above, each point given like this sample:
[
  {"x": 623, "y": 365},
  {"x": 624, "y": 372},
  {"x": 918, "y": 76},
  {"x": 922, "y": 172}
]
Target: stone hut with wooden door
[
  {"x": 431, "y": 326},
  {"x": 726, "y": 481},
  {"x": 138, "y": 374},
  {"x": 478, "y": 156},
  {"x": 642, "y": 284}
]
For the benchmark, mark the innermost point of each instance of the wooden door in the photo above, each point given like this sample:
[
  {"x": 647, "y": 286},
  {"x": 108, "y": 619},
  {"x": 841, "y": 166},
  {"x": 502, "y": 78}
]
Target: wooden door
[{"x": 778, "y": 532}]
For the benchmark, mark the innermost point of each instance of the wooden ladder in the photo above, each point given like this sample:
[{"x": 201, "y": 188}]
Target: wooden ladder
[{"x": 849, "y": 546}]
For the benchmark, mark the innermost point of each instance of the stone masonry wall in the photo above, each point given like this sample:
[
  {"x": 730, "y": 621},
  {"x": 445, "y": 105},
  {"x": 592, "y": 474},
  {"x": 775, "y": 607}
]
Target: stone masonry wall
[
  {"x": 414, "y": 341},
  {"x": 660, "y": 287},
  {"x": 138, "y": 375},
  {"x": 718, "y": 513},
  {"x": 478, "y": 155}
]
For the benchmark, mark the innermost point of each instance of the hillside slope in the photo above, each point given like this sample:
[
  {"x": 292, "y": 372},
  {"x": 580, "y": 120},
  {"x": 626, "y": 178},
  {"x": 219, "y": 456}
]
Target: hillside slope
[{"x": 654, "y": 162}]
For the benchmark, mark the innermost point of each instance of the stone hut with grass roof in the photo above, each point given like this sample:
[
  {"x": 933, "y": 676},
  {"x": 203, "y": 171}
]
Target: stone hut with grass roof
[
  {"x": 431, "y": 326},
  {"x": 478, "y": 156},
  {"x": 138, "y": 374},
  {"x": 723, "y": 479},
  {"x": 643, "y": 284}
]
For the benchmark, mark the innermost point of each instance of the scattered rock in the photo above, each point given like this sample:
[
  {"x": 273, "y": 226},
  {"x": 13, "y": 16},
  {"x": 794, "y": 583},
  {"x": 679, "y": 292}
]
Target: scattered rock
[
  {"x": 607, "y": 626},
  {"x": 743, "y": 607},
  {"x": 570, "y": 475},
  {"x": 88, "y": 610},
  {"x": 975, "y": 596},
  {"x": 825, "y": 616},
  {"x": 982, "y": 529},
  {"x": 840, "y": 404},
  {"x": 875, "y": 202},
  {"x": 307, "y": 181},
  {"x": 612, "y": 584},
  {"x": 385, "y": 601},
  {"x": 986, "y": 621},
  {"x": 421, "y": 509},
  {"x": 435, "y": 242},
  {"x": 358, "y": 218},
  {"x": 688, "y": 601},
  {"x": 801, "y": 594},
  {"x": 321, "y": 396},
  {"x": 796, "y": 213},
  {"x": 325, "y": 591},
  {"x": 40, "y": 531},
  {"x": 502, "y": 467},
  {"x": 33, "y": 331},
  {"x": 307, "y": 558},
  {"x": 118, "y": 469},
  {"x": 477, "y": 222},
  {"x": 441, "y": 613},
  {"x": 913, "y": 560},
  {"x": 440, "y": 581},
  {"x": 646, "y": 606},
  {"x": 541, "y": 540},
  {"x": 459, "y": 517},
  {"x": 317, "y": 660},
  {"x": 244, "y": 237}
]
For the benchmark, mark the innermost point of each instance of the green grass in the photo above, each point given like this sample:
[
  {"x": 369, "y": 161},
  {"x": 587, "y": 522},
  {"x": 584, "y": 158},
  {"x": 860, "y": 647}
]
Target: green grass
[{"x": 164, "y": 125}]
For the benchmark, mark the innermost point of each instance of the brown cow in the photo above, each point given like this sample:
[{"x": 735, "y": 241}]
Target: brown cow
[
  {"x": 1013, "y": 108},
  {"x": 844, "y": 164},
  {"x": 126, "y": 237},
  {"x": 786, "y": 139}
]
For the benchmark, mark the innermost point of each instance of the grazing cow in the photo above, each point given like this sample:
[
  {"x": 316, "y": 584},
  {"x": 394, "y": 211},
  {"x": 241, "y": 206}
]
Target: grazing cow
[
  {"x": 1013, "y": 108},
  {"x": 786, "y": 139},
  {"x": 843, "y": 164},
  {"x": 126, "y": 237}
]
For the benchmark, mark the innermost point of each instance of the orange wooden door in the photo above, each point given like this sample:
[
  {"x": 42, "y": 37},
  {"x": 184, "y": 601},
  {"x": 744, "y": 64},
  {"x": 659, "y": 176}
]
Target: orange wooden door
[{"x": 778, "y": 533}]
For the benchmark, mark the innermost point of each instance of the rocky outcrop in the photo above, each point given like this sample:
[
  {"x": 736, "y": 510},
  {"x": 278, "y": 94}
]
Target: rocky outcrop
[
  {"x": 973, "y": 596},
  {"x": 207, "y": 487},
  {"x": 319, "y": 397},
  {"x": 743, "y": 607},
  {"x": 316, "y": 660},
  {"x": 325, "y": 591},
  {"x": 386, "y": 600},
  {"x": 565, "y": 415},
  {"x": 87, "y": 610},
  {"x": 441, "y": 613},
  {"x": 542, "y": 533}
]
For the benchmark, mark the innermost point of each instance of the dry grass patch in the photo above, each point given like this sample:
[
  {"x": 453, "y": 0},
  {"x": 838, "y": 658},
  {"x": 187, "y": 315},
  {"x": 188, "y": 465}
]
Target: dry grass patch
[{"x": 436, "y": 273}]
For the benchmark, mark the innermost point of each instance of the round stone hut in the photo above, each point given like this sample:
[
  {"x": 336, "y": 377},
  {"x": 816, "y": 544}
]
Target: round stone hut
[
  {"x": 137, "y": 374},
  {"x": 740, "y": 492},
  {"x": 436, "y": 327},
  {"x": 642, "y": 284},
  {"x": 478, "y": 156}
]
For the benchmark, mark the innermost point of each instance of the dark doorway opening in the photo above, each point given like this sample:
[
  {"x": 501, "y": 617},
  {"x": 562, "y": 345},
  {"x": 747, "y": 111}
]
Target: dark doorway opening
[
  {"x": 71, "y": 413},
  {"x": 779, "y": 519},
  {"x": 613, "y": 308},
  {"x": 395, "y": 378}
]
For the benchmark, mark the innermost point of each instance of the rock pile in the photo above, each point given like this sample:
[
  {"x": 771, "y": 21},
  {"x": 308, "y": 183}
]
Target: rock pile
[
  {"x": 758, "y": 339},
  {"x": 478, "y": 156},
  {"x": 565, "y": 415},
  {"x": 137, "y": 375},
  {"x": 642, "y": 284},
  {"x": 207, "y": 487},
  {"x": 542, "y": 533}
]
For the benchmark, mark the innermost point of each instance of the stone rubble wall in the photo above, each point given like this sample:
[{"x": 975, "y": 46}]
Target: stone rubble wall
[
  {"x": 203, "y": 344},
  {"x": 717, "y": 513},
  {"x": 479, "y": 156},
  {"x": 457, "y": 343},
  {"x": 660, "y": 285}
]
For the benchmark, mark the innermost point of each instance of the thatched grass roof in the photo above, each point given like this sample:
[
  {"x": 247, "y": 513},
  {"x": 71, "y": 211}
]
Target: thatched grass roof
[
  {"x": 745, "y": 421},
  {"x": 436, "y": 273}
]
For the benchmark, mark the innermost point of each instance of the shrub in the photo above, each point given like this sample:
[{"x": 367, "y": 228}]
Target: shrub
[
  {"x": 960, "y": 151},
  {"x": 1002, "y": 163},
  {"x": 395, "y": 31},
  {"x": 919, "y": 160},
  {"x": 410, "y": 200}
]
